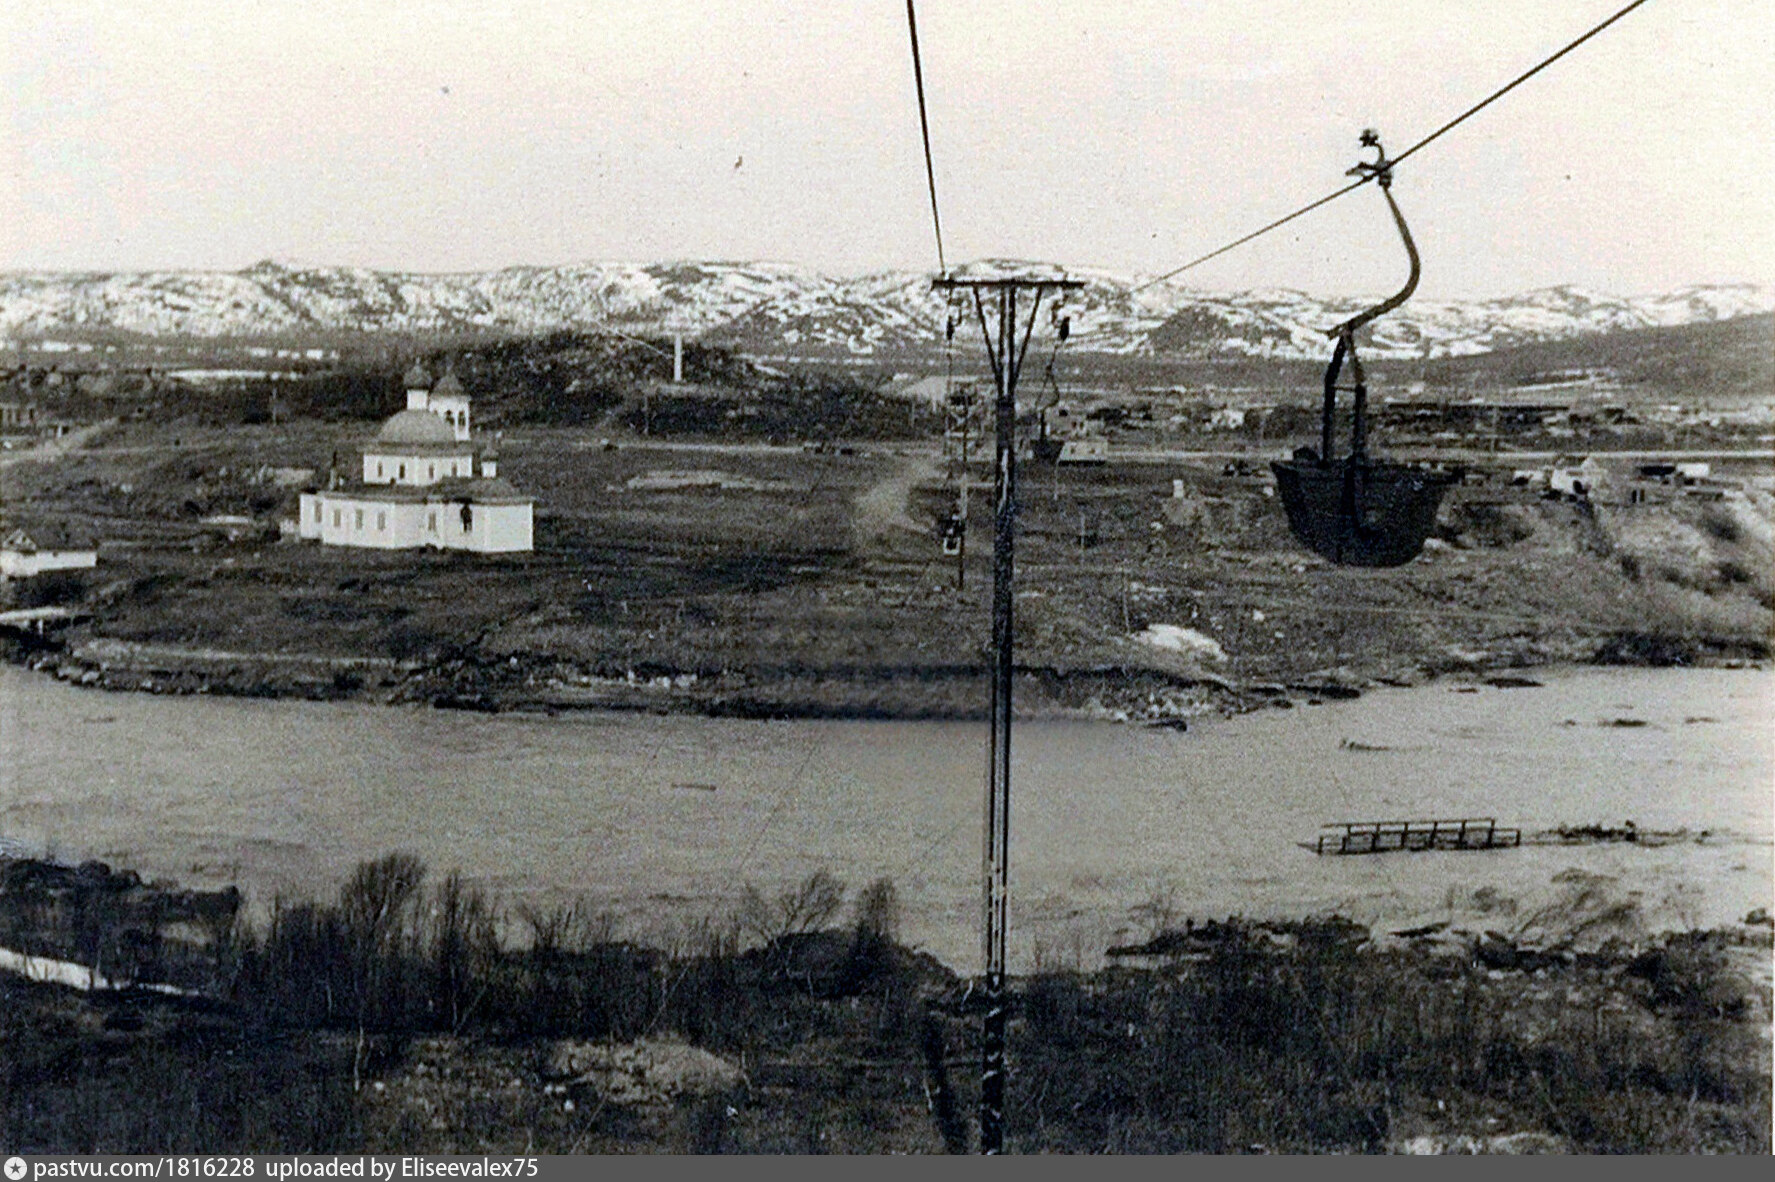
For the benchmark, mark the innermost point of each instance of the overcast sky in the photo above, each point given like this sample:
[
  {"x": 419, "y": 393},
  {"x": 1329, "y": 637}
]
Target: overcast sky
[{"x": 449, "y": 135}]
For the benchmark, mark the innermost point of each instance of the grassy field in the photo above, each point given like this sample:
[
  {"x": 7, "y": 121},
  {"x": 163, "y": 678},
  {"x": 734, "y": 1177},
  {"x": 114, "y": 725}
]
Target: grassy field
[{"x": 762, "y": 579}]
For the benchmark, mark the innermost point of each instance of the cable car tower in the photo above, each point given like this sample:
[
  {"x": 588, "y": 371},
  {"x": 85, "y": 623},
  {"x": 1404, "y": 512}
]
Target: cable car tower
[
  {"x": 1006, "y": 356},
  {"x": 961, "y": 422}
]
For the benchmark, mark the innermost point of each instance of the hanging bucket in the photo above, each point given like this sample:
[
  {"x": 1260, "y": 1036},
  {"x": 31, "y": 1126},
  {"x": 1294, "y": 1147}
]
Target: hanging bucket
[{"x": 1361, "y": 513}]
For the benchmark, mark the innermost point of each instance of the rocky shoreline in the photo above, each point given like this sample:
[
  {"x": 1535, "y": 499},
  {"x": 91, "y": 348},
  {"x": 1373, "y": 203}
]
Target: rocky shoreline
[{"x": 523, "y": 683}]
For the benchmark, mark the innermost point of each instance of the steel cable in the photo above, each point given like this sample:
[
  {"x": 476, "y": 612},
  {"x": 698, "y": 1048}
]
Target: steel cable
[
  {"x": 924, "y": 127},
  {"x": 1425, "y": 142}
]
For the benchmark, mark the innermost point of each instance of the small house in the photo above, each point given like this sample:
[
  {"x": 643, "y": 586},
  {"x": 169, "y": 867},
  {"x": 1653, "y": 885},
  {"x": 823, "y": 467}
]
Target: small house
[
  {"x": 1577, "y": 476},
  {"x": 25, "y": 553},
  {"x": 1678, "y": 472},
  {"x": 18, "y": 417}
]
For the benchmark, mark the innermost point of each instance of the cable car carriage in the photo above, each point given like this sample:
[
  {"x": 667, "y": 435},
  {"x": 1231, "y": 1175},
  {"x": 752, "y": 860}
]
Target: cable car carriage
[
  {"x": 954, "y": 530},
  {"x": 1358, "y": 510}
]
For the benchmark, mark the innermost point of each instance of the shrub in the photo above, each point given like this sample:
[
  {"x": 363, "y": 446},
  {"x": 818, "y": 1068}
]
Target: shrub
[{"x": 797, "y": 910}]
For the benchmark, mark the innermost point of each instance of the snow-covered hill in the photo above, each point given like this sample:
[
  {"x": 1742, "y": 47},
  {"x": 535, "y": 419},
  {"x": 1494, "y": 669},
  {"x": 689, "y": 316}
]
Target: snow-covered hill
[{"x": 779, "y": 309}]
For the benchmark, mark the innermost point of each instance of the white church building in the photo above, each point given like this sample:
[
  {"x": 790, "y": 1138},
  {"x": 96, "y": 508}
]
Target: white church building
[{"x": 424, "y": 482}]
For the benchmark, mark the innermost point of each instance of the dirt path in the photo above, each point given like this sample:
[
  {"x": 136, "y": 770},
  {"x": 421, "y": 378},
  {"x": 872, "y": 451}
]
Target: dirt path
[
  {"x": 55, "y": 449},
  {"x": 883, "y": 512}
]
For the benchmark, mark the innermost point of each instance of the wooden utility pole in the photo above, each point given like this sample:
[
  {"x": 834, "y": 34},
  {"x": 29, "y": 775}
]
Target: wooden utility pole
[
  {"x": 961, "y": 509},
  {"x": 1006, "y": 356}
]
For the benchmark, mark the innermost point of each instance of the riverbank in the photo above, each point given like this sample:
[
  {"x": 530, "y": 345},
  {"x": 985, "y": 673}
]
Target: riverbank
[
  {"x": 812, "y": 585},
  {"x": 527, "y": 684},
  {"x": 398, "y": 1019}
]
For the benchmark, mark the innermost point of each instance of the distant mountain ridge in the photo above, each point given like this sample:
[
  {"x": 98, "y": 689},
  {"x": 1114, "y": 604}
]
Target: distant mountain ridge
[{"x": 783, "y": 310}]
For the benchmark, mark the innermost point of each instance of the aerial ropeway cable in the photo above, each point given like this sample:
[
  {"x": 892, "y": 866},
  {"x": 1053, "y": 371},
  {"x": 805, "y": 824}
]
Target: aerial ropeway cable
[
  {"x": 924, "y": 126},
  {"x": 1487, "y": 101}
]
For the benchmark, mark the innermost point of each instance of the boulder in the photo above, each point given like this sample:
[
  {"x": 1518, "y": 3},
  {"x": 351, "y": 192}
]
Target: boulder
[{"x": 649, "y": 1071}]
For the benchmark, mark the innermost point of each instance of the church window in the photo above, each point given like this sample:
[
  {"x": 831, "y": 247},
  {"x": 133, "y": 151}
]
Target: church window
[
  {"x": 381, "y": 522},
  {"x": 358, "y": 520},
  {"x": 335, "y": 519},
  {"x": 401, "y": 472},
  {"x": 431, "y": 471},
  {"x": 378, "y": 468},
  {"x": 468, "y": 518},
  {"x": 317, "y": 513},
  {"x": 431, "y": 521}
]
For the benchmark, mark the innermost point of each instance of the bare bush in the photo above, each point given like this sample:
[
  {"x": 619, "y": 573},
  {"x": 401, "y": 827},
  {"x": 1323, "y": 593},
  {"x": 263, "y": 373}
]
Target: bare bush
[
  {"x": 553, "y": 930},
  {"x": 877, "y": 911},
  {"x": 464, "y": 947},
  {"x": 797, "y": 910},
  {"x": 377, "y": 907}
]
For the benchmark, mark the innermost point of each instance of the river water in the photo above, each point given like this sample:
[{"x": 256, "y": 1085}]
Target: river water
[{"x": 662, "y": 820}]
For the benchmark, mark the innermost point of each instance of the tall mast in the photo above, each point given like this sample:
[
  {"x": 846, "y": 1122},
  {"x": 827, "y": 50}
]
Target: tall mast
[{"x": 1007, "y": 360}]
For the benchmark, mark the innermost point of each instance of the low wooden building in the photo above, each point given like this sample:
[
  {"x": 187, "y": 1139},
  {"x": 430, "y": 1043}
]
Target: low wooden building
[{"x": 26, "y": 553}]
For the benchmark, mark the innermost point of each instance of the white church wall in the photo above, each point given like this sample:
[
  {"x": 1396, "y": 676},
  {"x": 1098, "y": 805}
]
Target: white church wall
[
  {"x": 309, "y": 511},
  {"x": 452, "y": 534},
  {"x": 508, "y": 528},
  {"x": 344, "y": 519},
  {"x": 490, "y": 529},
  {"x": 415, "y": 470},
  {"x": 367, "y": 522}
]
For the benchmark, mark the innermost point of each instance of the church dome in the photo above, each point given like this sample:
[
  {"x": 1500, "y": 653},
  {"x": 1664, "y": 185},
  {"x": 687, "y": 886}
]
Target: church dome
[
  {"x": 416, "y": 427},
  {"x": 418, "y": 378},
  {"x": 448, "y": 384}
]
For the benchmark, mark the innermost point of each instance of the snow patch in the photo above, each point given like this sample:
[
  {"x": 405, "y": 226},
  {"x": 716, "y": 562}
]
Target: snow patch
[
  {"x": 760, "y": 307},
  {"x": 1175, "y": 638}
]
